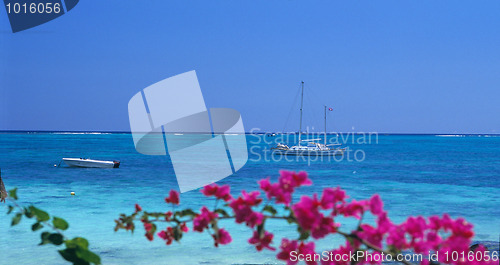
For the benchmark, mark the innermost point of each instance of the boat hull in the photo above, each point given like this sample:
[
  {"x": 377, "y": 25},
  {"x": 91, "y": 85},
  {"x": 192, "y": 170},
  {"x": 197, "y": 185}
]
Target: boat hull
[
  {"x": 309, "y": 152},
  {"x": 90, "y": 163}
]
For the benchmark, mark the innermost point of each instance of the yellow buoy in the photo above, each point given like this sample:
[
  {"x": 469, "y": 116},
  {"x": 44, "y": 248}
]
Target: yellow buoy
[{"x": 73, "y": 193}]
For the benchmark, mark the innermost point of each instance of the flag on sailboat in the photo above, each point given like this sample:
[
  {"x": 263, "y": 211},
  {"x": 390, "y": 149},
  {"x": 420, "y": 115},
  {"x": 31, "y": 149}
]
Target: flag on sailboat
[{"x": 330, "y": 109}]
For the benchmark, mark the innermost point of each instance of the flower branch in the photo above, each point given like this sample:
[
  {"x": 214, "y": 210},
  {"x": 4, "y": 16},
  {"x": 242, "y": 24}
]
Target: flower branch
[{"x": 314, "y": 217}]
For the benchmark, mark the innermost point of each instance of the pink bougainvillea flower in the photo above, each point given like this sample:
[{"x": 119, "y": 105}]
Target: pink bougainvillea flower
[
  {"x": 342, "y": 251},
  {"x": 220, "y": 192},
  {"x": 353, "y": 209},
  {"x": 383, "y": 223},
  {"x": 371, "y": 235},
  {"x": 325, "y": 227},
  {"x": 242, "y": 208},
  {"x": 173, "y": 197},
  {"x": 434, "y": 223},
  {"x": 275, "y": 191},
  {"x": 223, "y": 238},
  {"x": 462, "y": 228},
  {"x": 376, "y": 205},
  {"x": 287, "y": 246},
  {"x": 307, "y": 250},
  {"x": 252, "y": 198},
  {"x": 167, "y": 235},
  {"x": 147, "y": 226},
  {"x": 255, "y": 218},
  {"x": 202, "y": 220},
  {"x": 415, "y": 226},
  {"x": 311, "y": 219},
  {"x": 262, "y": 242},
  {"x": 289, "y": 180},
  {"x": 224, "y": 193},
  {"x": 210, "y": 190},
  {"x": 162, "y": 234},
  {"x": 330, "y": 197},
  {"x": 184, "y": 227},
  {"x": 241, "y": 211},
  {"x": 168, "y": 215},
  {"x": 306, "y": 212},
  {"x": 283, "y": 190},
  {"x": 396, "y": 237},
  {"x": 286, "y": 181},
  {"x": 265, "y": 185},
  {"x": 418, "y": 234}
]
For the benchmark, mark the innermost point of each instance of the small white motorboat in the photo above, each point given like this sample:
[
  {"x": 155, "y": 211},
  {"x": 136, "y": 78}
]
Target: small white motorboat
[{"x": 85, "y": 162}]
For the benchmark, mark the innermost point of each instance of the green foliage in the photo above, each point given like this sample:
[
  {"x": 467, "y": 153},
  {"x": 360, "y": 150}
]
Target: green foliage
[
  {"x": 76, "y": 250},
  {"x": 36, "y": 226},
  {"x": 28, "y": 213},
  {"x": 51, "y": 238},
  {"x": 222, "y": 212},
  {"x": 40, "y": 215},
  {"x": 177, "y": 233},
  {"x": 16, "y": 219},
  {"x": 270, "y": 209},
  {"x": 184, "y": 213},
  {"x": 60, "y": 223},
  {"x": 304, "y": 235},
  {"x": 13, "y": 193},
  {"x": 77, "y": 241}
]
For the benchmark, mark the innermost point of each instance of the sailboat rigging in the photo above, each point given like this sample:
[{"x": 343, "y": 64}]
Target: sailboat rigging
[{"x": 313, "y": 148}]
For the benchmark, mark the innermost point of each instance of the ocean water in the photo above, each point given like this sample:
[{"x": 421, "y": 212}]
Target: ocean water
[{"x": 414, "y": 174}]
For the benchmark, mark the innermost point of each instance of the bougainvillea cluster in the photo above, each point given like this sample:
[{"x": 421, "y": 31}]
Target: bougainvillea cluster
[{"x": 314, "y": 216}]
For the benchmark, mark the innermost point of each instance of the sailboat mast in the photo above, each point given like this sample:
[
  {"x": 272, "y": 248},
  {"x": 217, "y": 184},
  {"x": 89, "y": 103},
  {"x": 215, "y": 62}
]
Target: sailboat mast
[
  {"x": 325, "y": 125},
  {"x": 301, "y": 105}
]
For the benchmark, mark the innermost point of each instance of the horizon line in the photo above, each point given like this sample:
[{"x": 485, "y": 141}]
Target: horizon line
[{"x": 320, "y": 133}]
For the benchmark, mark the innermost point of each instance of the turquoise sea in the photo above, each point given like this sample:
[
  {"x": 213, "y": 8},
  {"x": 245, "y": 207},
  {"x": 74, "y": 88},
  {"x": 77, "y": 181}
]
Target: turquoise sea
[{"x": 414, "y": 174}]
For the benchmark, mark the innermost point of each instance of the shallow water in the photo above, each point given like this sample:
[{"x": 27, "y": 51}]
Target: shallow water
[{"x": 414, "y": 174}]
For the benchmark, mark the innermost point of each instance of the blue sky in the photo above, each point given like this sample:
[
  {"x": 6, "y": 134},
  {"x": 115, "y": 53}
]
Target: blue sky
[{"x": 385, "y": 66}]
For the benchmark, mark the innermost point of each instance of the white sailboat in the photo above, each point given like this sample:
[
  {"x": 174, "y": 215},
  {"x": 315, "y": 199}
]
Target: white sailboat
[{"x": 313, "y": 147}]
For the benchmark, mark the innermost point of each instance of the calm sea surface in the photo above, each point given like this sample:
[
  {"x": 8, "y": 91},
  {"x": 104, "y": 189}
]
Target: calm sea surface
[{"x": 414, "y": 174}]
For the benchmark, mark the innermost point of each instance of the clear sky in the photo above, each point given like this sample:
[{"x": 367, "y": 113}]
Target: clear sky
[{"x": 384, "y": 66}]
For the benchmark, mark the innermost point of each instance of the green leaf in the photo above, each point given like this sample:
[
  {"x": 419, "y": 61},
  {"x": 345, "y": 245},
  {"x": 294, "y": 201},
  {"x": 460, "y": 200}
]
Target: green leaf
[
  {"x": 69, "y": 254},
  {"x": 153, "y": 229},
  {"x": 13, "y": 193},
  {"x": 41, "y": 216},
  {"x": 45, "y": 238},
  {"x": 222, "y": 212},
  {"x": 36, "y": 226},
  {"x": 60, "y": 223},
  {"x": 186, "y": 212},
  {"x": 177, "y": 233},
  {"x": 88, "y": 256},
  {"x": 304, "y": 236},
  {"x": 16, "y": 219},
  {"x": 54, "y": 238},
  {"x": 270, "y": 209},
  {"x": 10, "y": 209},
  {"x": 77, "y": 242},
  {"x": 28, "y": 213}
]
